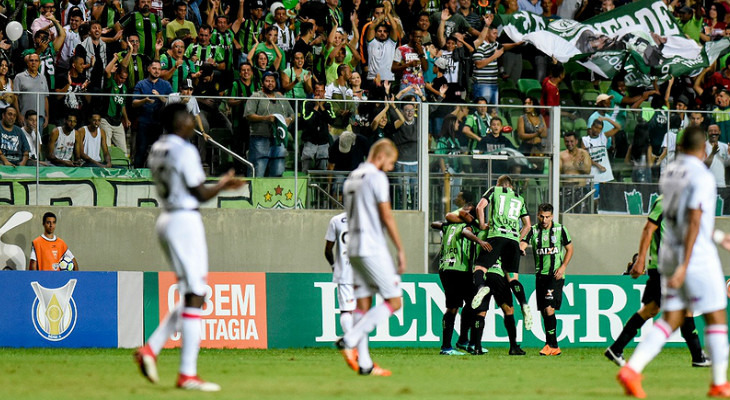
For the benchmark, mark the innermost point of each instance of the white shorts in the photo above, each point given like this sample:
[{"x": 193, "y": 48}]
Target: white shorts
[
  {"x": 375, "y": 274},
  {"x": 182, "y": 237},
  {"x": 703, "y": 291},
  {"x": 346, "y": 297}
]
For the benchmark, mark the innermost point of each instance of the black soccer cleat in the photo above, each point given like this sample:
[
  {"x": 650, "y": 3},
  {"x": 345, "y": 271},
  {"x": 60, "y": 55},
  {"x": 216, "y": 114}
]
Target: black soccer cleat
[
  {"x": 702, "y": 362},
  {"x": 616, "y": 358},
  {"x": 516, "y": 351},
  {"x": 462, "y": 346}
]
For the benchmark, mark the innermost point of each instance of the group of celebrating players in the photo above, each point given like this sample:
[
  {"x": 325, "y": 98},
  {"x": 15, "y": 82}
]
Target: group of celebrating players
[{"x": 480, "y": 258}]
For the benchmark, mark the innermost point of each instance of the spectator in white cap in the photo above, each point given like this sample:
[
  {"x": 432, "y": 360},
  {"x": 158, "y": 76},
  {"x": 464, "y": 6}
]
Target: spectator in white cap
[
  {"x": 607, "y": 114},
  {"x": 348, "y": 151},
  {"x": 185, "y": 96}
]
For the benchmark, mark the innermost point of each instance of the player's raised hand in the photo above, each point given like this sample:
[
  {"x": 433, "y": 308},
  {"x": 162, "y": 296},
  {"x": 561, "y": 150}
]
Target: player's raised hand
[{"x": 229, "y": 181}]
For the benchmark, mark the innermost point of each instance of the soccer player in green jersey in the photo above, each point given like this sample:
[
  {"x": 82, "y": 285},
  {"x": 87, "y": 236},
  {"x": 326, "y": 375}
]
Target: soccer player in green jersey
[
  {"x": 553, "y": 250},
  {"x": 651, "y": 238},
  {"x": 507, "y": 211},
  {"x": 499, "y": 287},
  {"x": 455, "y": 275}
]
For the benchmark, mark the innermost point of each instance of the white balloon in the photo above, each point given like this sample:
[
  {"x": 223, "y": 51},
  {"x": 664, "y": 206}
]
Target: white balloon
[{"x": 14, "y": 30}]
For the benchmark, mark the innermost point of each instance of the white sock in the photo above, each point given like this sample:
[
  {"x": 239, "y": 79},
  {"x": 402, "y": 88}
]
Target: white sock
[
  {"x": 190, "y": 341},
  {"x": 367, "y": 324},
  {"x": 356, "y": 317},
  {"x": 363, "y": 347},
  {"x": 363, "y": 353},
  {"x": 717, "y": 345},
  {"x": 167, "y": 327},
  {"x": 346, "y": 321},
  {"x": 651, "y": 346}
]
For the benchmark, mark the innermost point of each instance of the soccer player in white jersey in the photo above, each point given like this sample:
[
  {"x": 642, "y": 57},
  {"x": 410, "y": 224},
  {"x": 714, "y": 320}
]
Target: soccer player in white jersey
[
  {"x": 180, "y": 180},
  {"x": 691, "y": 274},
  {"x": 367, "y": 203},
  {"x": 336, "y": 238}
]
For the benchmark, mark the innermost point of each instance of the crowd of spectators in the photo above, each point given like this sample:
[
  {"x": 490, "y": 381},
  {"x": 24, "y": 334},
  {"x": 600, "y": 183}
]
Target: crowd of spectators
[{"x": 333, "y": 55}]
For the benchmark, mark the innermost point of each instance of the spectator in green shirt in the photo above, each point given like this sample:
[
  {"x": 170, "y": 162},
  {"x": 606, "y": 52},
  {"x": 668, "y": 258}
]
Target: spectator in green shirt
[{"x": 691, "y": 23}]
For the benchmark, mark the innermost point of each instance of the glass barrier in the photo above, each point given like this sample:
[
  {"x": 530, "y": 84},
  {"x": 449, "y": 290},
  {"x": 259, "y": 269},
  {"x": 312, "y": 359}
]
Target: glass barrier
[{"x": 554, "y": 154}]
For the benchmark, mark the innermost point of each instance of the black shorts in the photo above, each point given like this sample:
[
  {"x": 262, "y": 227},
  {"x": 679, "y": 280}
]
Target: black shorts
[
  {"x": 458, "y": 287},
  {"x": 506, "y": 249},
  {"x": 499, "y": 288},
  {"x": 548, "y": 292},
  {"x": 653, "y": 289}
]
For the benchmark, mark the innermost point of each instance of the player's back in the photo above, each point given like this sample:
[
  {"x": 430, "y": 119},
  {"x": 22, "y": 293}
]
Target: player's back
[
  {"x": 506, "y": 210},
  {"x": 364, "y": 189},
  {"x": 687, "y": 185},
  {"x": 175, "y": 167},
  {"x": 337, "y": 233}
]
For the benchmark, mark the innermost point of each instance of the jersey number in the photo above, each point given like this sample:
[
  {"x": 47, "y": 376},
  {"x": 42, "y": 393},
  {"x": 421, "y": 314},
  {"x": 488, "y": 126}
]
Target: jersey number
[{"x": 514, "y": 208}]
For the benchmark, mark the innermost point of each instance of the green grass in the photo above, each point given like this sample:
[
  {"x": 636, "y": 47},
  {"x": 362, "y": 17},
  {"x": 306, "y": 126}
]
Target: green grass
[{"x": 322, "y": 374}]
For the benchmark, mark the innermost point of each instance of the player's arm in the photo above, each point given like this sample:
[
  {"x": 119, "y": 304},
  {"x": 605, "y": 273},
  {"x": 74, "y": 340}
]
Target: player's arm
[
  {"x": 467, "y": 233},
  {"x": 693, "y": 229},
  {"x": 526, "y": 228},
  {"x": 483, "y": 203},
  {"x": 649, "y": 228},
  {"x": 525, "y": 241},
  {"x": 438, "y": 224},
  {"x": 452, "y": 217},
  {"x": 560, "y": 272},
  {"x": 228, "y": 181},
  {"x": 386, "y": 217},
  {"x": 328, "y": 254}
]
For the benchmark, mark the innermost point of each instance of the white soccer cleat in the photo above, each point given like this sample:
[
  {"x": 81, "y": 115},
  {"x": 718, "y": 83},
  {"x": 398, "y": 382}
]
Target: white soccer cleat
[
  {"x": 527, "y": 317},
  {"x": 195, "y": 383},
  {"x": 481, "y": 293},
  {"x": 147, "y": 362}
]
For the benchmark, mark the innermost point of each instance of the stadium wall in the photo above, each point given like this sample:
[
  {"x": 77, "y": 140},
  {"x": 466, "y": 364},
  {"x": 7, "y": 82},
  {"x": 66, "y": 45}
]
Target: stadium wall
[
  {"x": 281, "y": 310},
  {"x": 124, "y": 239},
  {"x": 605, "y": 243}
]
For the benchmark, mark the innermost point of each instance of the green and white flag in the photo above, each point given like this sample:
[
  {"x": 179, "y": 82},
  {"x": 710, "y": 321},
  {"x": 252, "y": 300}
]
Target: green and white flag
[{"x": 641, "y": 38}]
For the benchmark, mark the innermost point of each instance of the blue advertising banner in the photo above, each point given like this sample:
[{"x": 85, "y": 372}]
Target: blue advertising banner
[{"x": 59, "y": 309}]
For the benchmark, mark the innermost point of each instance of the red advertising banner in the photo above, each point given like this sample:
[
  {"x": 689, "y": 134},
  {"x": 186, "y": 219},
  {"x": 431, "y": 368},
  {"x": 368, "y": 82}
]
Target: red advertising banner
[{"x": 234, "y": 313}]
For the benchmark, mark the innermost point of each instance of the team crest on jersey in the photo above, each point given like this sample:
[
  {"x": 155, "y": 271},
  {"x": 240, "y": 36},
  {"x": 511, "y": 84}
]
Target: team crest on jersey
[{"x": 54, "y": 311}]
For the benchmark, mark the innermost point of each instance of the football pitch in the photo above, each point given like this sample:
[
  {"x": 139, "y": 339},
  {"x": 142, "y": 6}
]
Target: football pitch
[{"x": 579, "y": 373}]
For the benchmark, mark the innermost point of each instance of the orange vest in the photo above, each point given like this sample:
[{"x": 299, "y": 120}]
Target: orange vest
[{"x": 48, "y": 252}]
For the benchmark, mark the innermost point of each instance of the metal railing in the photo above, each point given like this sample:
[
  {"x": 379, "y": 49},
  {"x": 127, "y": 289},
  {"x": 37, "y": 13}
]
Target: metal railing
[{"x": 408, "y": 188}]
